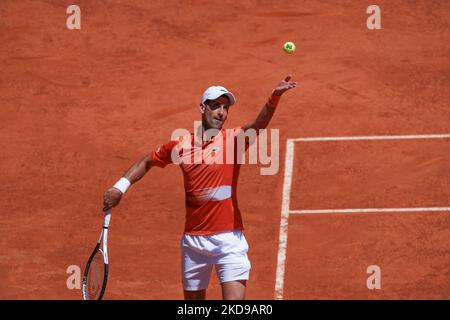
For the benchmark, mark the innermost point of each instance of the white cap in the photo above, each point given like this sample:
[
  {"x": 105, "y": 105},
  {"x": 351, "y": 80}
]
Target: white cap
[{"x": 214, "y": 92}]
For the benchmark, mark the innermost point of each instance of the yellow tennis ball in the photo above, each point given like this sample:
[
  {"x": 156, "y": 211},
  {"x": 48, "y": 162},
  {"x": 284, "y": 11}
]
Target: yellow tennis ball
[{"x": 289, "y": 47}]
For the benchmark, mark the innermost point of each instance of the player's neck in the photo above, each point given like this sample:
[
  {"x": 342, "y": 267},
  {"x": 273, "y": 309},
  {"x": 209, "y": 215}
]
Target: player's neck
[{"x": 205, "y": 128}]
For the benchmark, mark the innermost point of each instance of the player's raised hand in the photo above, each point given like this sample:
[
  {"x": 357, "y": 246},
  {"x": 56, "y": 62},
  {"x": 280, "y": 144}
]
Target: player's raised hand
[
  {"x": 111, "y": 198},
  {"x": 285, "y": 85}
]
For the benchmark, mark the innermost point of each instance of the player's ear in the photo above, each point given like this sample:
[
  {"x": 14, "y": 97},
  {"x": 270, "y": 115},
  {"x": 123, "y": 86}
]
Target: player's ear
[{"x": 201, "y": 108}]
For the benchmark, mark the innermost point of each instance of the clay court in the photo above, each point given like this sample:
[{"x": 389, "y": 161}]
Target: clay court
[{"x": 78, "y": 107}]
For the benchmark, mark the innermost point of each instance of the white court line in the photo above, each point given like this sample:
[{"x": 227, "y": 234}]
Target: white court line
[
  {"x": 287, "y": 183},
  {"x": 282, "y": 244},
  {"x": 370, "y": 210},
  {"x": 423, "y": 136}
]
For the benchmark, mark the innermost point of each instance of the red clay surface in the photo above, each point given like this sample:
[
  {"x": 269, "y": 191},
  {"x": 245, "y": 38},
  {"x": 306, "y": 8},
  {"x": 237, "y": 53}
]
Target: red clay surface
[
  {"x": 371, "y": 174},
  {"x": 78, "y": 107}
]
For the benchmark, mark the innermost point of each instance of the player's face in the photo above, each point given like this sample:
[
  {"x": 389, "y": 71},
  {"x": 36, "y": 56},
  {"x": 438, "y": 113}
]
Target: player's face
[{"x": 215, "y": 112}]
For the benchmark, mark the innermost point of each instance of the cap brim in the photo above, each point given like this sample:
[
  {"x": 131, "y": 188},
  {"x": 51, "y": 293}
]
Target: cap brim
[
  {"x": 231, "y": 97},
  {"x": 228, "y": 94}
]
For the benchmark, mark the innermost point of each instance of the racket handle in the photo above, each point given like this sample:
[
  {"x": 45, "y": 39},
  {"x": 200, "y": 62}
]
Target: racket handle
[{"x": 107, "y": 218}]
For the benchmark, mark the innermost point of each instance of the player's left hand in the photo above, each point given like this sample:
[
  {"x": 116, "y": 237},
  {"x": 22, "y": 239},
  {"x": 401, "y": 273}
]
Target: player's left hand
[{"x": 284, "y": 86}]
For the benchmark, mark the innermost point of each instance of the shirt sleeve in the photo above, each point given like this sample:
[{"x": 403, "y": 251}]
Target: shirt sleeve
[{"x": 162, "y": 156}]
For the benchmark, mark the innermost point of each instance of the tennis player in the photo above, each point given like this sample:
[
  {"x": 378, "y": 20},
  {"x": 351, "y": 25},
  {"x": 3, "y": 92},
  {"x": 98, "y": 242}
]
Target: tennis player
[{"x": 213, "y": 228}]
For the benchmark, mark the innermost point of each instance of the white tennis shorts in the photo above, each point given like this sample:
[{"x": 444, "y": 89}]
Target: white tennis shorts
[{"x": 226, "y": 250}]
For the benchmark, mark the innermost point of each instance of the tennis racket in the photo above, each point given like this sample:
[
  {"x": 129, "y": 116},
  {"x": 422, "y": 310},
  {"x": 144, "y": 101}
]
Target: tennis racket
[{"x": 96, "y": 272}]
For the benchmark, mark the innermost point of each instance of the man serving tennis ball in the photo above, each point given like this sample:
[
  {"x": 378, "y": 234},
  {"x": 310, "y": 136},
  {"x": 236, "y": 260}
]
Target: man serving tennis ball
[{"x": 213, "y": 229}]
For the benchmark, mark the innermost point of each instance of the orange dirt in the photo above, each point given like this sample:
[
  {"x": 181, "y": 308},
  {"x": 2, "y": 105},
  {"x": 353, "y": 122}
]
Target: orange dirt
[{"x": 78, "y": 107}]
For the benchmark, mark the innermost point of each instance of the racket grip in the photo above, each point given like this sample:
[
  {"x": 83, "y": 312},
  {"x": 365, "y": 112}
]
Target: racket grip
[{"x": 107, "y": 218}]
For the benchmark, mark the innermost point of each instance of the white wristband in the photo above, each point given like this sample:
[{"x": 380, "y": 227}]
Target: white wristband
[{"x": 122, "y": 185}]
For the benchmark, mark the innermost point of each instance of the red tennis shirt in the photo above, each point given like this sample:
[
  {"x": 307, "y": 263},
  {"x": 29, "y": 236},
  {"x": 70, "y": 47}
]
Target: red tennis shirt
[{"x": 210, "y": 174}]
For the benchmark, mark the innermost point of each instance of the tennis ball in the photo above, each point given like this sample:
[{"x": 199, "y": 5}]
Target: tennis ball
[{"x": 289, "y": 47}]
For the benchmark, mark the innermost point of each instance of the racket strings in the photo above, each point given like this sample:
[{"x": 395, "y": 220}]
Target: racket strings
[{"x": 95, "y": 277}]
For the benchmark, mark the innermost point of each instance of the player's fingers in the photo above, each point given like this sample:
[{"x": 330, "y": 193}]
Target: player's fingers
[
  {"x": 109, "y": 204},
  {"x": 288, "y": 77},
  {"x": 289, "y": 86}
]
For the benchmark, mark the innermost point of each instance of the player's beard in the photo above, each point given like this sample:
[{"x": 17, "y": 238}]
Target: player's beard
[
  {"x": 213, "y": 123},
  {"x": 218, "y": 124}
]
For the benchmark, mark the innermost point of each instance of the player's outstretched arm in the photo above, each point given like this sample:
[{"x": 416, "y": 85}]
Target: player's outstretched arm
[
  {"x": 112, "y": 196},
  {"x": 138, "y": 169},
  {"x": 267, "y": 111}
]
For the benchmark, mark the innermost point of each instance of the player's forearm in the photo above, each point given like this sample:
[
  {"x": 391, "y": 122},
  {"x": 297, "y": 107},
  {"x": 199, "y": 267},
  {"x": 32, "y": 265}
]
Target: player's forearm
[
  {"x": 138, "y": 169},
  {"x": 266, "y": 114},
  {"x": 112, "y": 197}
]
